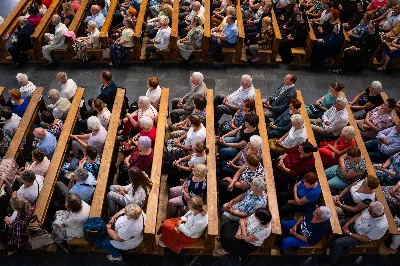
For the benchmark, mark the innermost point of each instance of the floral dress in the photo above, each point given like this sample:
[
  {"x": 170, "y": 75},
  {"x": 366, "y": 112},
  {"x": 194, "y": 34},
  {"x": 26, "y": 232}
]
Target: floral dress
[
  {"x": 238, "y": 121},
  {"x": 248, "y": 175},
  {"x": 4, "y": 146},
  {"x": 56, "y": 128},
  {"x": 381, "y": 121},
  {"x": 384, "y": 177},
  {"x": 266, "y": 38},
  {"x": 195, "y": 37},
  {"x": 360, "y": 167},
  {"x": 394, "y": 204}
]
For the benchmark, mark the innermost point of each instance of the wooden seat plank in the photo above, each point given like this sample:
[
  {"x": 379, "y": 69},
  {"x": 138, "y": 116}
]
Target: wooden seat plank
[
  {"x": 396, "y": 117},
  {"x": 137, "y": 37},
  {"x": 2, "y": 100},
  {"x": 43, "y": 201}
]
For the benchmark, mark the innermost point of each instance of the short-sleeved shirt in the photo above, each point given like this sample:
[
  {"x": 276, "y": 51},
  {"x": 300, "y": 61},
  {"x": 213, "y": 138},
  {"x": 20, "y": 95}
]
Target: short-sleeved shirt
[
  {"x": 20, "y": 109},
  {"x": 85, "y": 189},
  {"x": 231, "y": 32},
  {"x": 375, "y": 100},
  {"x": 151, "y": 134},
  {"x": 295, "y": 137},
  {"x": 48, "y": 145},
  {"x": 311, "y": 194},
  {"x": 360, "y": 167},
  {"x": 196, "y": 189},
  {"x": 254, "y": 227},
  {"x": 31, "y": 193},
  {"x": 127, "y": 35},
  {"x": 250, "y": 204},
  {"x": 195, "y": 136},
  {"x": 27, "y": 90},
  {"x": 93, "y": 167},
  {"x": 154, "y": 95},
  {"x": 391, "y": 20},
  {"x": 95, "y": 38},
  {"x": 40, "y": 168},
  {"x": 195, "y": 160},
  {"x": 163, "y": 38},
  {"x": 381, "y": 121},
  {"x": 105, "y": 118},
  {"x": 374, "y": 228},
  {"x": 313, "y": 231},
  {"x": 56, "y": 128},
  {"x": 361, "y": 197},
  {"x": 248, "y": 175},
  {"x": 241, "y": 135},
  {"x": 11, "y": 125},
  {"x": 98, "y": 140},
  {"x": 131, "y": 231}
]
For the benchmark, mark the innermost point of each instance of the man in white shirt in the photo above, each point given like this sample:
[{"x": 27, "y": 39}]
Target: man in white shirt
[
  {"x": 59, "y": 105},
  {"x": 333, "y": 120},
  {"x": 68, "y": 86},
  {"x": 28, "y": 88},
  {"x": 31, "y": 185},
  {"x": 11, "y": 123},
  {"x": 161, "y": 41},
  {"x": 369, "y": 225},
  {"x": 56, "y": 41}
]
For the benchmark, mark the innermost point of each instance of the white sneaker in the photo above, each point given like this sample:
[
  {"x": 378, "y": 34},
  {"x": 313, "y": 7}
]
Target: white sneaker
[
  {"x": 111, "y": 258},
  {"x": 161, "y": 244}
]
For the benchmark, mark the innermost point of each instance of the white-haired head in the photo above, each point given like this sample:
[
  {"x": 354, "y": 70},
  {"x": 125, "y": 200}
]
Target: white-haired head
[
  {"x": 93, "y": 123},
  {"x": 246, "y": 81},
  {"x": 144, "y": 142},
  {"x": 348, "y": 132},
  {"x": 92, "y": 24},
  {"x": 144, "y": 102},
  {"x": 297, "y": 121},
  {"x": 22, "y": 78},
  {"x": 197, "y": 78},
  {"x": 325, "y": 213},
  {"x": 340, "y": 103},
  {"x": 376, "y": 209},
  {"x": 377, "y": 86},
  {"x": 22, "y": 20},
  {"x": 54, "y": 94},
  {"x": 256, "y": 141},
  {"x": 163, "y": 20},
  {"x": 56, "y": 19},
  {"x": 259, "y": 184}
]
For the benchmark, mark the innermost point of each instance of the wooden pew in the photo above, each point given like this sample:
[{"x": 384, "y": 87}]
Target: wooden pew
[
  {"x": 9, "y": 25},
  {"x": 326, "y": 193},
  {"x": 270, "y": 56},
  {"x": 44, "y": 199},
  {"x": 14, "y": 151},
  {"x": 137, "y": 37},
  {"x": 372, "y": 246},
  {"x": 396, "y": 117},
  {"x": 2, "y": 100},
  {"x": 267, "y": 247},
  {"x": 237, "y": 55},
  {"x": 171, "y": 54},
  {"x": 207, "y": 32},
  {"x": 303, "y": 54}
]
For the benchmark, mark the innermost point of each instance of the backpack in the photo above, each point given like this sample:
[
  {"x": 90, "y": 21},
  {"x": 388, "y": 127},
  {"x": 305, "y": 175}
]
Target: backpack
[
  {"x": 8, "y": 168},
  {"x": 94, "y": 224}
]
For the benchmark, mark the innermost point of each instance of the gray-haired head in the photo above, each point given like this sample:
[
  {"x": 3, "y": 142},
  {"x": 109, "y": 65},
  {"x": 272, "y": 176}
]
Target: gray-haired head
[
  {"x": 377, "y": 86},
  {"x": 341, "y": 102},
  {"x": 247, "y": 81},
  {"x": 54, "y": 94},
  {"x": 22, "y": 78},
  {"x": 145, "y": 142},
  {"x": 256, "y": 141},
  {"x": 325, "y": 213},
  {"x": 82, "y": 174},
  {"x": 94, "y": 123},
  {"x": 376, "y": 208},
  {"x": 56, "y": 19},
  {"x": 197, "y": 77},
  {"x": 259, "y": 184}
]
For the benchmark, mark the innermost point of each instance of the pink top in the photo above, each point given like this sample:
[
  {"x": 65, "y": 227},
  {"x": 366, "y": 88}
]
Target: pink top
[
  {"x": 34, "y": 20},
  {"x": 75, "y": 5}
]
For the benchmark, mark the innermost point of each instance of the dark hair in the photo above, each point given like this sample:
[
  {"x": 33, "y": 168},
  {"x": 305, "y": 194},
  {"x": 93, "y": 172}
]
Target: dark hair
[
  {"x": 101, "y": 3},
  {"x": 392, "y": 103},
  {"x": 47, "y": 117},
  {"x": 308, "y": 147},
  {"x": 200, "y": 101},
  {"x": 250, "y": 103},
  {"x": 263, "y": 215},
  {"x": 329, "y": 4},
  {"x": 354, "y": 152},
  {"x": 33, "y": 10},
  {"x": 296, "y": 104},
  {"x": 106, "y": 75},
  {"x": 6, "y": 112},
  {"x": 1, "y": 134},
  {"x": 38, "y": 154},
  {"x": 91, "y": 152},
  {"x": 337, "y": 86},
  {"x": 99, "y": 104},
  {"x": 293, "y": 78},
  {"x": 139, "y": 179},
  {"x": 38, "y": 2},
  {"x": 253, "y": 160},
  {"x": 253, "y": 119},
  {"x": 310, "y": 178},
  {"x": 195, "y": 120},
  {"x": 90, "y": 102},
  {"x": 74, "y": 203}
]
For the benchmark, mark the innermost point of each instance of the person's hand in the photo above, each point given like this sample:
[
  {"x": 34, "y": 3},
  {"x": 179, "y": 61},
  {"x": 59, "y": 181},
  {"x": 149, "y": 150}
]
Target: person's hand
[
  {"x": 380, "y": 168},
  {"x": 238, "y": 234},
  {"x": 7, "y": 219},
  {"x": 108, "y": 226},
  {"x": 122, "y": 191},
  {"x": 292, "y": 231},
  {"x": 177, "y": 141},
  {"x": 176, "y": 230},
  {"x": 126, "y": 163},
  {"x": 73, "y": 137},
  {"x": 327, "y": 123},
  {"x": 365, "y": 127},
  {"x": 14, "y": 194},
  {"x": 230, "y": 164},
  {"x": 241, "y": 222},
  {"x": 176, "y": 162},
  {"x": 320, "y": 30},
  {"x": 394, "y": 194},
  {"x": 222, "y": 142},
  {"x": 230, "y": 187},
  {"x": 181, "y": 126},
  {"x": 329, "y": 146},
  {"x": 337, "y": 203},
  {"x": 345, "y": 231}
]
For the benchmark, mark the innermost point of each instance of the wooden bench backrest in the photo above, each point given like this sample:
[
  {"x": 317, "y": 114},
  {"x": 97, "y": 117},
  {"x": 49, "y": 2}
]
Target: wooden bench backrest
[
  {"x": 396, "y": 117},
  {"x": 370, "y": 170},
  {"x": 2, "y": 100},
  {"x": 240, "y": 39},
  {"x": 107, "y": 157},
  {"x": 269, "y": 174},
  {"x": 311, "y": 39},
  {"x": 173, "y": 46},
  {"x": 137, "y": 37},
  {"x": 277, "y": 36},
  {"x": 43, "y": 27},
  {"x": 77, "y": 21},
  {"x": 50, "y": 180},
  {"x": 152, "y": 199},
  {"x": 207, "y": 27},
  {"x": 107, "y": 24},
  {"x": 319, "y": 167}
]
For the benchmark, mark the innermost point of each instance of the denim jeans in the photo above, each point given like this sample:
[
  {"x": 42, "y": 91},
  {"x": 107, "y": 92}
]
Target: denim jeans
[
  {"x": 374, "y": 153},
  {"x": 291, "y": 241},
  {"x": 334, "y": 180},
  {"x": 106, "y": 244},
  {"x": 228, "y": 152}
]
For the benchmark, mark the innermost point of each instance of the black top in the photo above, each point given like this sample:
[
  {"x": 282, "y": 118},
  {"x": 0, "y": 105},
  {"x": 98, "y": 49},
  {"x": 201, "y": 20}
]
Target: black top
[
  {"x": 107, "y": 94},
  {"x": 375, "y": 100},
  {"x": 241, "y": 135}
]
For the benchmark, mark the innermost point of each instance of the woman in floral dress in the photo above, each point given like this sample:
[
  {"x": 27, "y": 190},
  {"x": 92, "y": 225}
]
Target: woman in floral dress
[
  {"x": 193, "y": 40},
  {"x": 389, "y": 172}
]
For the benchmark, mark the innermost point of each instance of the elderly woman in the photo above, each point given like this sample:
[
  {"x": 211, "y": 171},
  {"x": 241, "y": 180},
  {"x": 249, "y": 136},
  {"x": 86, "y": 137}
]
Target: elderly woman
[
  {"x": 134, "y": 193},
  {"x": 123, "y": 44},
  {"x": 231, "y": 187},
  {"x": 367, "y": 100},
  {"x": 68, "y": 224},
  {"x": 4, "y": 143},
  {"x": 59, "y": 105},
  {"x": 304, "y": 196},
  {"x": 237, "y": 139},
  {"x": 218, "y": 16},
  {"x": 315, "y": 111},
  {"x": 361, "y": 29},
  {"x": 239, "y": 118},
  {"x": 263, "y": 40},
  {"x": 95, "y": 139},
  {"x": 92, "y": 40},
  {"x": 27, "y": 87},
  {"x": 54, "y": 125},
  {"x": 31, "y": 185},
  {"x": 246, "y": 236},
  {"x": 147, "y": 130},
  {"x": 17, "y": 103},
  {"x": 392, "y": 196},
  {"x": 194, "y": 186},
  {"x": 377, "y": 120},
  {"x": 193, "y": 40},
  {"x": 161, "y": 41},
  {"x": 332, "y": 150},
  {"x": 247, "y": 203},
  {"x": 153, "y": 91},
  {"x": 308, "y": 230},
  {"x": 281, "y": 125},
  {"x": 102, "y": 112},
  {"x": 91, "y": 161},
  {"x": 125, "y": 230},
  {"x": 230, "y": 11},
  {"x": 389, "y": 172},
  {"x": 177, "y": 148},
  {"x": 153, "y": 25},
  {"x": 39, "y": 165},
  {"x": 295, "y": 136},
  {"x": 16, "y": 225},
  {"x": 178, "y": 233},
  {"x": 356, "y": 197},
  {"x": 351, "y": 167}
]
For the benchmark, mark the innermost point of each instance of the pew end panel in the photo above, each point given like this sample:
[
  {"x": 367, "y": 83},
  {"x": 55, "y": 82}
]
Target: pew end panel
[{"x": 139, "y": 30}]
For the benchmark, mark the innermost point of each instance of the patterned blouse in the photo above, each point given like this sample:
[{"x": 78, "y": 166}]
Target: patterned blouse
[
  {"x": 360, "y": 30},
  {"x": 394, "y": 166},
  {"x": 318, "y": 6},
  {"x": 243, "y": 156},
  {"x": 248, "y": 175},
  {"x": 4, "y": 146},
  {"x": 17, "y": 235},
  {"x": 359, "y": 167},
  {"x": 196, "y": 189},
  {"x": 93, "y": 167},
  {"x": 266, "y": 38},
  {"x": 250, "y": 203},
  {"x": 56, "y": 128},
  {"x": 381, "y": 121}
]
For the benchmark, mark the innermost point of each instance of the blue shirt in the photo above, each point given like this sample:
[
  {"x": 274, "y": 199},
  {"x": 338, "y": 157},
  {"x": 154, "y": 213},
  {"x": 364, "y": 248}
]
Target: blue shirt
[
  {"x": 231, "y": 32},
  {"x": 313, "y": 231},
  {"x": 48, "y": 145},
  {"x": 20, "y": 109},
  {"x": 99, "y": 19},
  {"x": 311, "y": 194},
  {"x": 85, "y": 189}
]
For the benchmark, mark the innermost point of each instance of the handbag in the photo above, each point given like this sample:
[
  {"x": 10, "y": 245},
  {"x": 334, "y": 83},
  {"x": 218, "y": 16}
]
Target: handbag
[
  {"x": 41, "y": 237},
  {"x": 314, "y": 109}
]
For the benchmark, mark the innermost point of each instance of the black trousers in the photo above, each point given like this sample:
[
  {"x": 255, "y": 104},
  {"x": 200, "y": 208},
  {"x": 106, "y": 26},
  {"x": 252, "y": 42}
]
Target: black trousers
[
  {"x": 17, "y": 55},
  {"x": 215, "y": 50},
  {"x": 287, "y": 210}
]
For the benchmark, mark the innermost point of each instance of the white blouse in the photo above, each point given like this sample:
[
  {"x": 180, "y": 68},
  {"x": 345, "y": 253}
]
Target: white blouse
[
  {"x": 295, "y": 137},
  {"x": 193, "y": 225}
]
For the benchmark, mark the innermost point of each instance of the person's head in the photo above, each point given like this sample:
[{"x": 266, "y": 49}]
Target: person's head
[
  {"x": 196, "y": 204},
  {"x": 340, "y": 103},
  {"x": 323, "y": 213},
  {"x": 248, "y": 105},
  {"x": 375, "y": 88},
  {"x": 132, "y": 12},
  {"x": 98, "y": 105},
  {"x": 92, "y": 25},
  {"x": 230, "y": 10},
  {"x": 200, "y": 102},
  {"x": 348, "y": 132},
  {"x": 47, "y": 117},
  {"x": 372, "y": 182},
  {"x": 20, "y": 205},
  {"x": 266, "y": 21},
  {"x": 15, "y": 94},
  {"x": 297, "y": 121},
  {"x": 290, "y": 79},
  {"x": 61, "y": 77},
  {"x": 39, "y": 133},
  {"x": 373, "y": 28},
  {"x": 54, "y": 95},
  {"x": 263, "y": 215},
  {"x": 144, "y": 143},
  {"x": 196, "y": 6},
  {"x": 336, "y": 87},
  {"x": 251, "y": 120},
  {"x": 310, "y": 179},
  {"x": 335, "y": 14},
  {"x": 38, "y": 2},
  {"x": 56, "y": 19},
  {"x": 255, "y": 142},
  {"x": 91, "y": 152},
  {"x": 22, "y": 79},
  {"x": 196, "y": 79},
  {"x": 199, "y": 148},
  {"x": 101, "y": 4},
  {"x": 194, "y": 120},
  {"x": 153, "y": 83},
  {"x": 133, "y": 212},
  {"x": 129, "y": 23},
  {"x": 376, "y": 209},
  {"x": 139, "y": 179},
  {"x": 230, "y": 19},
  {"x": 73, "y": 203},
  {"x": 33, "y": 10},
  {"x": 328, "y": 6},
  {"x": 196, "y": 21},
  {"x": 94, "y": 10},
  {"x": 338, "y": 29},
  {"x": 144, "y": 103},
  {"x": 295, "y": 104},
  {"x": 167, "y": 10},
  {"x": 163, "y": 21},
  {"x": 252, "y": 160},
  {"x": 6, "y": 112},
  {"x": 258, "y": 184},
  {"x": 93, "y": 123},
  {"x": 200, "y": 171},
  {"x": 146, "y": 123},
  {"x": 105, "y": 77},
  {"x": 27, "y": 178},
  {"x": 389, "y": 105},
  {"x": 267, "y": 8},
  {"x": 246, "y": 81},
  {"x": 306, "y": 148},
  {"x": 354, "y": 152},
  {"x": 368, "y": 16},
  {"x": 22, "y": 21},
  {"x": 81, "y": 174}
]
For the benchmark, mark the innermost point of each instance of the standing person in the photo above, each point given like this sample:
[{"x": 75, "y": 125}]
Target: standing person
[
  {"x": 23, "y": 42},
  {"x": 28, "y": 88},
  {"x": 56, "y": 41},
  {"x": 108, "y": 89},
  {"x": 68, "y": 86}
]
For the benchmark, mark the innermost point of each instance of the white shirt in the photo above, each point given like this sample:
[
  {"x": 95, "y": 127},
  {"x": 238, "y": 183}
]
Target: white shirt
[
  {"x": 59, "y": 38},
  {"x": 194, "y": 225},
  {"x": 195, "y": 160},
  {"x": 325, "y": 16},
  {"x": 253, "y": 227},
  {"x": 154, "y": 96},
  {"x": 130, "y": 197},
  {"x": 338, "y": 120},
  {"x": 31, "y": 193},
  {"x": 27, "y": 90},
  {"x": 394, "y": 139},
  {"x": 295, "y": 137},
  {"x": 129, "y": 230},
  {"x": 163, "y": 38},
  {"x": 68, "y": 89},
  {"x": 75, "y": 221},
  {"x": 95, "y": 38},
  {"x": 357, "y": 196},
  {"x": 374, "y": 228},
  {"x": 241, "y": 94},
  {"x": 60, "y": 107},
  {"x": 105, "y": 118},
  {"x": 11, "y": 125},
  {"x": 98, "y": 140},
  {"x": 391, "y": 20},
  {"x": 194, "y": 137}
]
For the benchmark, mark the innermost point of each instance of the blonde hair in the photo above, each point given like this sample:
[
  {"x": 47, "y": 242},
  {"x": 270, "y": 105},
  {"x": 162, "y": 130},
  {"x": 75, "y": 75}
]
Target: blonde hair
[
  {"x": 267, "y": 20},
  {"x": 133, "y": 212},
  {"x": 348, "y": 132},
  {"x": 20, "y": 204},
  {"x": 297, "y": 120},
  {"x": 197, "y": 204},
  {"x": 201, "y": 170}
]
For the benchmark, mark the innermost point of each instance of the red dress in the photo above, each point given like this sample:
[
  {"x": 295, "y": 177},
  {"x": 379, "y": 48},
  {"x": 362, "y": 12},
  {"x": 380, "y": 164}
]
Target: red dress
[
  {"x": 326, "y": 154},
  {"x": 151, "y": 134}
]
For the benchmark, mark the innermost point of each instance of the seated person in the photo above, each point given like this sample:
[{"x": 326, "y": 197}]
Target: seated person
[
  {"x": 323, "y": 104},
  {"x": 42, "y": 8},
  {"x": 17, "y": 103},
  {"x": 389, "y": 171},
  {"x": 185, "y": 21},
  {"x": 123, "y": 44},
  {"x": 308, "y": 230},
  {"x": 134, "y": 193},
  {"x": 392, "y": 50},
  {"x": 316, "y": 7},
  {"x": 239, "y": 117},
  {"x": 247, "y": 203},
  {"x": 325, "y": 15},
  {"x": 92, "y": 40},
  {"x": 364, "y": 227},
  {"x": 281, "y": 125},
  {"x": 91, "y": 161},
  {"x": 294, "y": 137},
  {"x": 68, "y": 14},
  {"x": 45, "y": 141},
  {"x": 102, "y": 112},
  {"x": 331, "y": 151},
  {"x": 352, "y": 166},
  {"x": 230, "y": 11},
  {"x": 148, "y": 130},
  {"x": 356, "y": 197},
  {"x": 4, "y": 144},
  {"x": 386, "y": 144},
  {"x": 54, "y": 125},
  {"x": 68, "y": 224},
  {"x": 56, "y": 40},
  {"x": 394, "y": 244},
  {"x": 96, "y": 15},
  {"x": 59, "y": 105},
  {"x": 11, "y": 122},
  {"x": 304, "y": 196},
  {"x": 367, "y": 100},
  {"x": 218, "y": 15},
  {"x": 34, "y": 16},
  {"x": 22, "y": 42},
  {"x": 31, "y": 185},
  {"x": 153, "y": 25},
  {"x": 263, "y": 40},
  {"x": 161, "y": 40},
  {"x": 178, "y": 233},
  {"x": 39, "y": 165},
  {"x": 288, "y": 20},
  {"x": 27, "y": 87},
  {"x": 392, "y": 196},
  {"x": 328, "y": 26},
  {"x": 193, "y": 40},
  {"x": 281, "y": 6},
  {"x": 354, "y": 16},
  {"x": 154, "y": 91},
  {"x": 392, "y": 18}
]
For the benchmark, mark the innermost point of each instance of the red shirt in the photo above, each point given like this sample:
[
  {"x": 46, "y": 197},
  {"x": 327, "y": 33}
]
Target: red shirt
[
  {"x": 151, "y": 134},
  {"x": 47, "y": 3},
  {"x": 298, "y": 166},
  {"x": 34, "y": 20},
  {"x": 143, "y": 162}
]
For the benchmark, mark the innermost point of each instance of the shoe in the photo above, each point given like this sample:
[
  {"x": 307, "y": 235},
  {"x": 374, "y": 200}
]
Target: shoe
[
  {"x": 111, "y": 258},
  {"x": 161, "y": 244}
]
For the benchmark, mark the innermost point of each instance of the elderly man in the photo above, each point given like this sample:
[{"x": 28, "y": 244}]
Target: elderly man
[
  {"x": 68, "y": 86},
  {"x": 11, "y": 121},
  {"x": 45, "y": 141},
  {"x": 197, "y": 10},
  {"x": 28, "y": 88},
  {"x": 23, "y": 42},
  {"x": 226, "y": 39},
  {"x": 97, "y": 16},
  {"x": 386, "y": 144},
  {"x": 231, "y": 103},
  {"x": 182, "y": 107},
  {"x": 56, "y": 41},
  {"x": 59, "y": 105},
  {"x": 278, "y": 103},
  {"x": 333, "y": 120},
  {"x": 391, "y": 19},
  {"x": 369, "y": 225}
]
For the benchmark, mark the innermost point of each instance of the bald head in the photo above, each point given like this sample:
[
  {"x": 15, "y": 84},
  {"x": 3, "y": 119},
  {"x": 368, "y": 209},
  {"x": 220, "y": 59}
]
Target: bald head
[
  {"x": 39, "y": 133},
  {"x": 95, "y": 9},
  {"x": 62, "y": 77},
  {"x": 196, "y": 5},
  {"x": 56, "y": 19}
]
